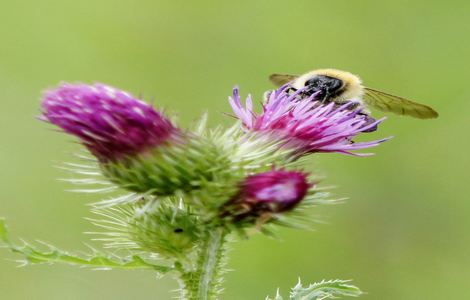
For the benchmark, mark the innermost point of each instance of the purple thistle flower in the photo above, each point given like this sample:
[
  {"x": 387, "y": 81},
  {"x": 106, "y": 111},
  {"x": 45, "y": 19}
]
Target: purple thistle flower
[
  {"x": 307, "y": 124},
  {"x": 111, "y": 123},
  {"x": 274, "y": 191}
]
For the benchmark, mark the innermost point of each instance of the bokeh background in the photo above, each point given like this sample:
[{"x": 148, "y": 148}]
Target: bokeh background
[{"x": 404, "y": 233}]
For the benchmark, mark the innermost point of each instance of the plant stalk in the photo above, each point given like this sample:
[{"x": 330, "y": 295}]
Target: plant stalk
[{"x": 203, "y": 283}]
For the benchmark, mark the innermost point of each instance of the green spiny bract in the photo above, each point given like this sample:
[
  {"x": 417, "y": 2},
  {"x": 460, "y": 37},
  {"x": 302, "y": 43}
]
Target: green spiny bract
[
  {"x": 176, "y": 168},
  {"x": 166, "y": 228},
  {"x": 203, "y": 169}
]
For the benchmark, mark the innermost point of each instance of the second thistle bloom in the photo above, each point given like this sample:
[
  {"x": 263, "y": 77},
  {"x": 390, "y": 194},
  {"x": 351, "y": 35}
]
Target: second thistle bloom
[
  {"x": 111, "y": 123},
  {"x": 305, "y": 123},
  {"x": 269, "y": 192}
]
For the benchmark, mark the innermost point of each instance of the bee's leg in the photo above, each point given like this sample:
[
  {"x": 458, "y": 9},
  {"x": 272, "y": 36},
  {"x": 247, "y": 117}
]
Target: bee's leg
[
  {"x": 358, "y": 109},
  {"x": 355, "y": 105},
  {"x": 290, "y": 89},
  {"x": 369, "y": 120}
]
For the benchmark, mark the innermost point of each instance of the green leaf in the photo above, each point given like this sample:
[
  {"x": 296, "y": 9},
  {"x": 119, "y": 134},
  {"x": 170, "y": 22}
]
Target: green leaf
[
  {"x": 325, "y": 290},
  {"x": 95, "y": 260}
]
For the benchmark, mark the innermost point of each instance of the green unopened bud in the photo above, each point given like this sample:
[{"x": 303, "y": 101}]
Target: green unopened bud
[{"x": 164, "y": 228}]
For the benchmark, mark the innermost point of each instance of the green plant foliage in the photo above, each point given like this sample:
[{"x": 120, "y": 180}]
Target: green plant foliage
[
  {"x": 184, "y": 197},
  {"x": 95, "y": 260},
  {"x": 331, "y": 289},
  {"x": 325, "y": 290}
]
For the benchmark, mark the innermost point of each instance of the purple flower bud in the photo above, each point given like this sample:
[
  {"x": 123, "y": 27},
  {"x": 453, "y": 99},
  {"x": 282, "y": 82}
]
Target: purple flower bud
[
  {"x": 111, "y": 123},
  {"x": 308, "y": 125},
  {"x": 269, "y": 192}
]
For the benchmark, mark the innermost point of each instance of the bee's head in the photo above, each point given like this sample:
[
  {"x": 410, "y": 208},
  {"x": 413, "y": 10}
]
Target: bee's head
[{"x": 326, "y": 86}]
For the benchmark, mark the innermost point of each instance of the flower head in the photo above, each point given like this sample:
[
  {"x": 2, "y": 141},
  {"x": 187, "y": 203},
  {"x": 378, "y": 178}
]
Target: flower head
[
  {"x": 306, "y": 123},
  {"x": 274, "y": 191},
  {"x": 111, "y": 123}
]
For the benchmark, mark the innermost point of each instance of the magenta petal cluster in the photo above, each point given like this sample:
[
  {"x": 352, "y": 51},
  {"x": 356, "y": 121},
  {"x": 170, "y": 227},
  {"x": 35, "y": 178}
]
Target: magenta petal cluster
[
  {"x": 111, "y": 123},
  {"x": 306, "y": 123},
  {"x": 278, "y": 188},
  {"x": 269, "y": 192}
]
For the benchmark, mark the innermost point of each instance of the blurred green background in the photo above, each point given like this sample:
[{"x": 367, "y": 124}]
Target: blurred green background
[{"x": 404, "y": 233}]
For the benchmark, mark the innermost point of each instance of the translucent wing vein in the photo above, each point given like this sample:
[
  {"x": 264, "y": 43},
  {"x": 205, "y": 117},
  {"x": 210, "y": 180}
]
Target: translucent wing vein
[{"x": 398, "y": 105}]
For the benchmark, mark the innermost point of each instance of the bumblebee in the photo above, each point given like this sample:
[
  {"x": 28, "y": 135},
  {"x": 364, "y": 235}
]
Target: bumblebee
[{"x": 331, "y": 85}]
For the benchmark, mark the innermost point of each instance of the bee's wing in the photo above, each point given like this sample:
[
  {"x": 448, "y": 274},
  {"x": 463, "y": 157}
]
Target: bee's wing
[
  {"x": 390, "y": 103},
  {"x": 281, "y": 79}
]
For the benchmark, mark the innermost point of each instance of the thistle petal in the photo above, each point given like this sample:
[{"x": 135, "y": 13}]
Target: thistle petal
[
  {"x": 111, "y": 123},
  {"x": 307, "y": 124}
]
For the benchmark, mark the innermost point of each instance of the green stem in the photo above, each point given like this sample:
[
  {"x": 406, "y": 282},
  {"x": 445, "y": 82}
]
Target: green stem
[
  {"x": 203, "y": 283},
  {"x": 211, "y": 257}
]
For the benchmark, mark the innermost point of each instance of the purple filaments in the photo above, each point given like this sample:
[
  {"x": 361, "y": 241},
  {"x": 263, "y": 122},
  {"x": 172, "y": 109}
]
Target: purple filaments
[
  {"x": 110, "y": 122},
  {"x": 305, "y": 123}
]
